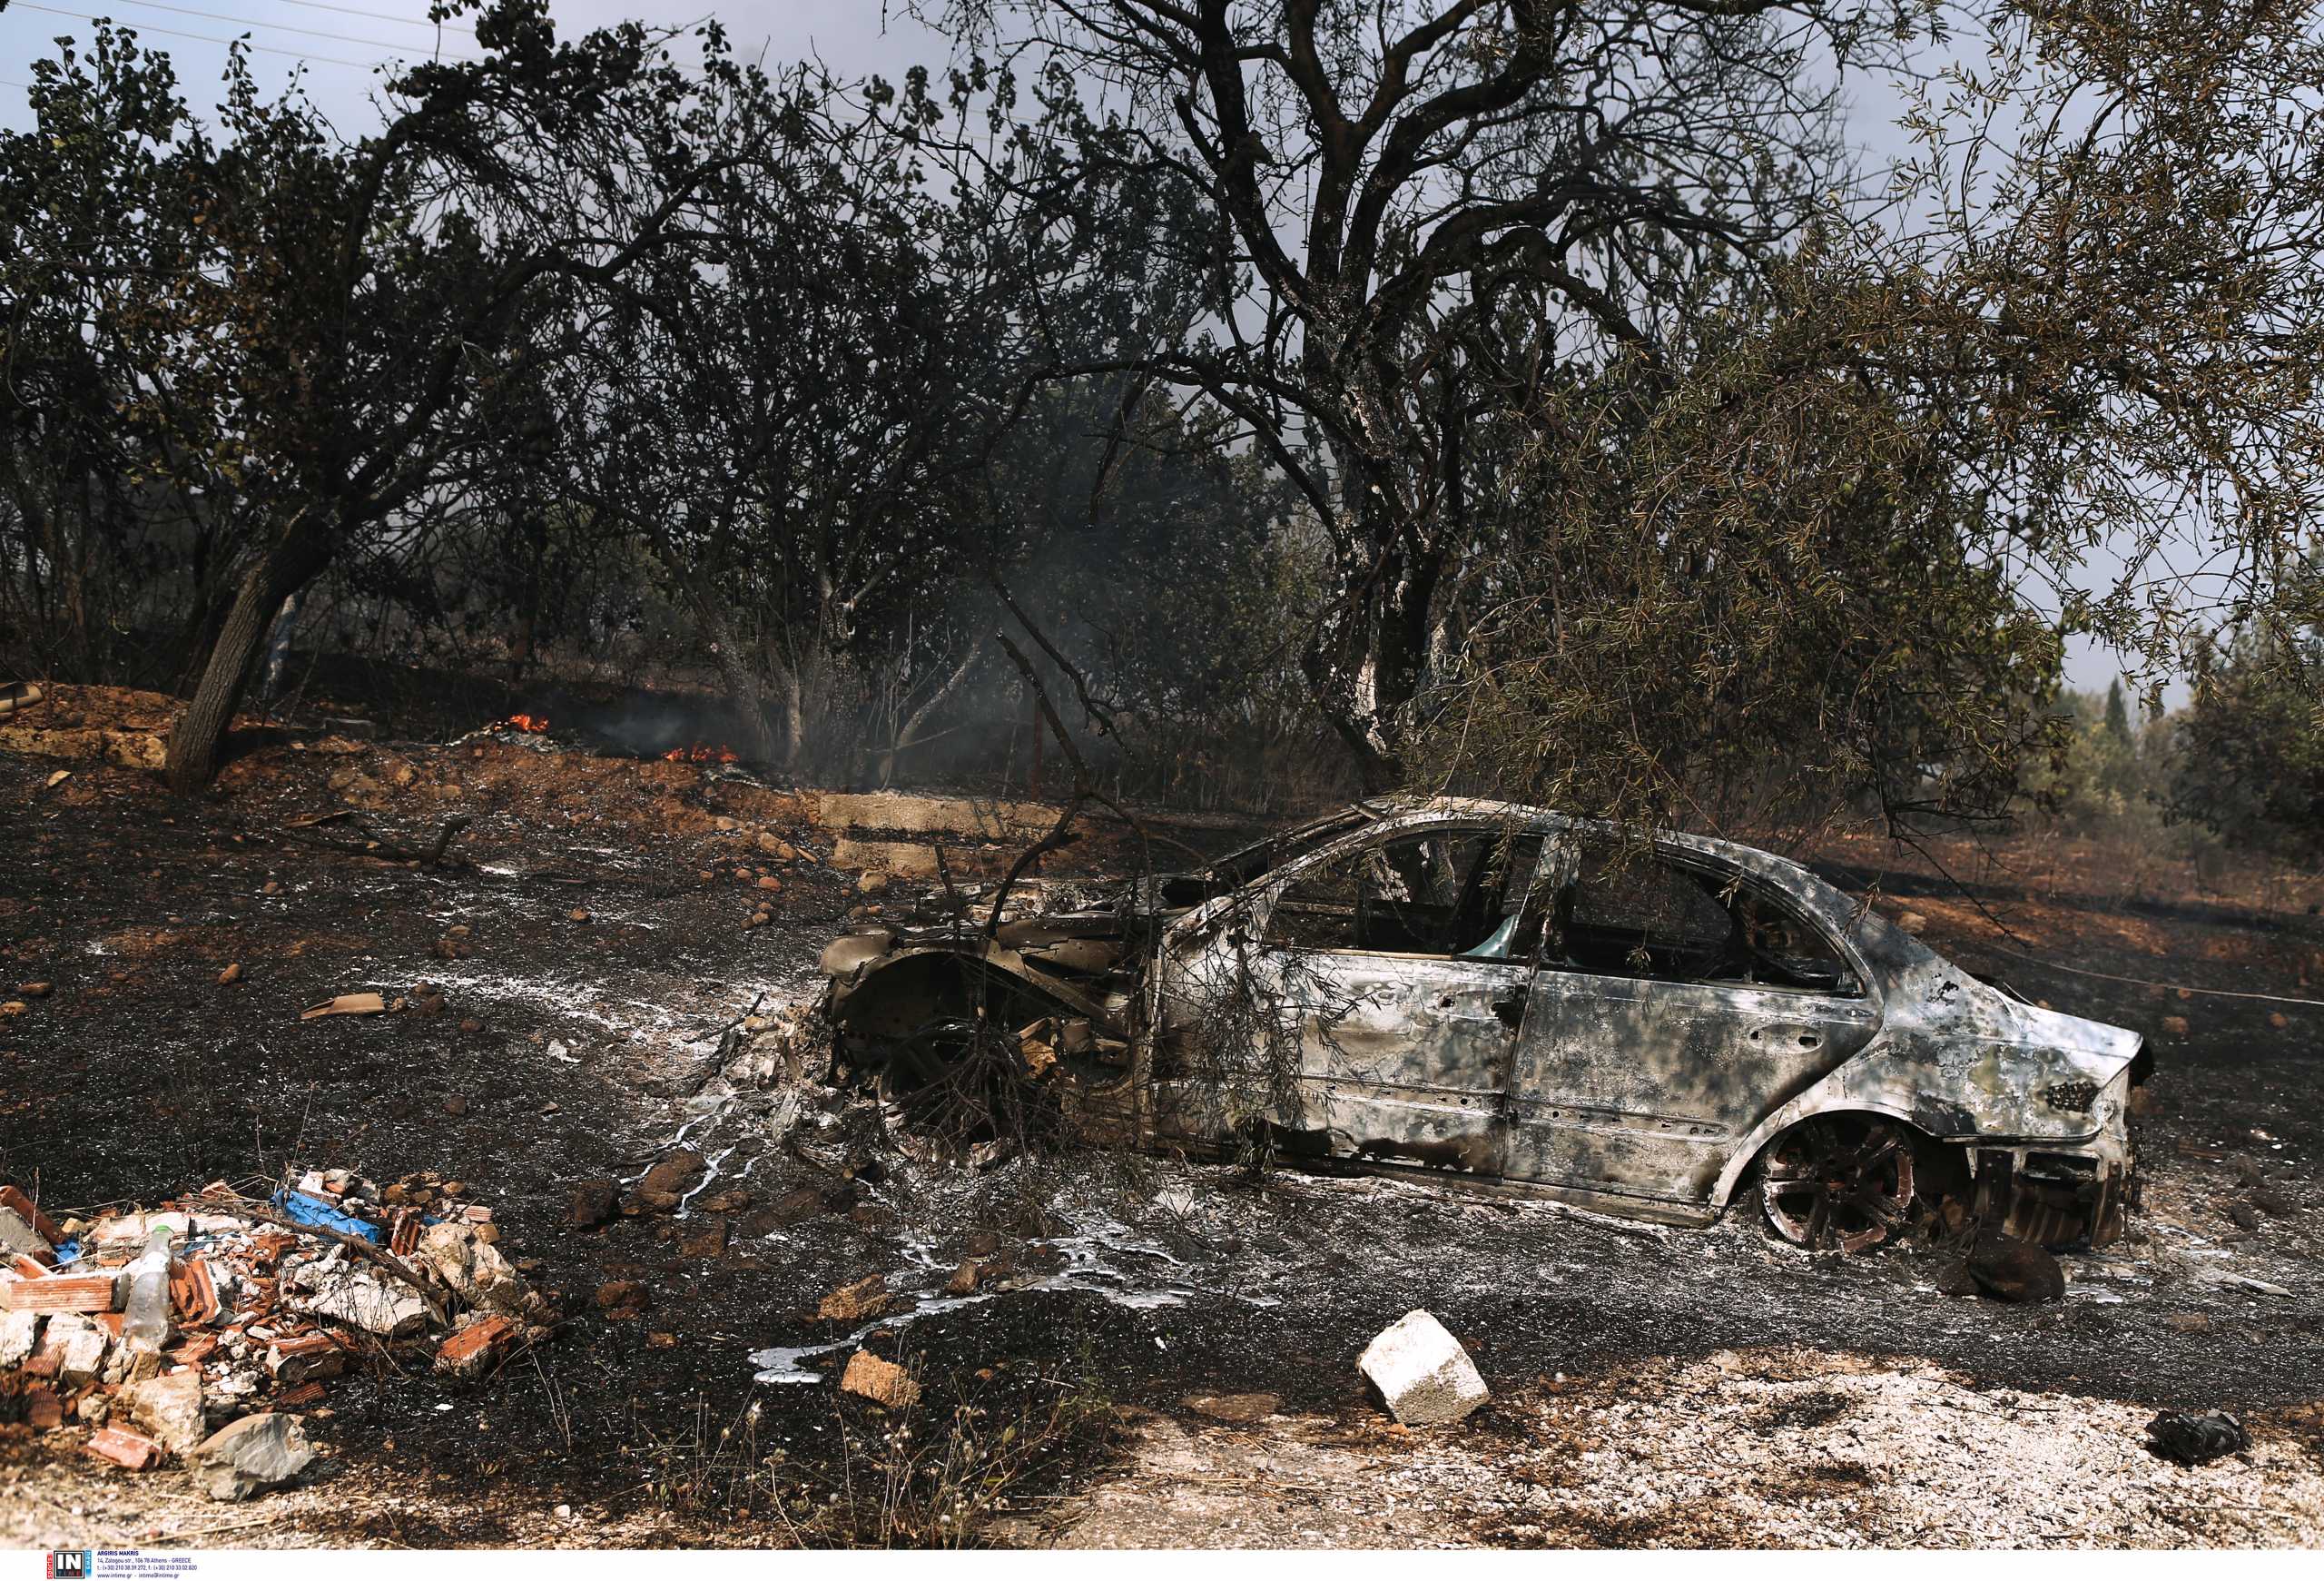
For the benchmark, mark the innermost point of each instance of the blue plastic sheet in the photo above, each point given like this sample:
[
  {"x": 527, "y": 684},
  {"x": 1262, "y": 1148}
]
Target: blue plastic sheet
[{"x": 301, "y": 1209}]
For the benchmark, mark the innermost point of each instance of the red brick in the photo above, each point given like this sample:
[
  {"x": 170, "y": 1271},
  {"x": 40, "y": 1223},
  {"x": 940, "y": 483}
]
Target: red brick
[
  {"x": 124, "y": 1447},
  {"x": 90, "y": 1293},
  {"x": 471, "y": 1351}
]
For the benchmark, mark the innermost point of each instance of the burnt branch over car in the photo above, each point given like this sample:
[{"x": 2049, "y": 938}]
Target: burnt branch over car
[{"x": 1526, "y": 1002}]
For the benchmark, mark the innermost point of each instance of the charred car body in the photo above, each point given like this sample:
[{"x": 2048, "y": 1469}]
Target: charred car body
[{"x": 1529, "y": 1001}]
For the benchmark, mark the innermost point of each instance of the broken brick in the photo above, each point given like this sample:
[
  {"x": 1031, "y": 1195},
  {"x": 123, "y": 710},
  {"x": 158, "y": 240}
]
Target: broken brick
[
  {"x": 89, "y": 1292},
  {"x": 470, "y": 1352}
]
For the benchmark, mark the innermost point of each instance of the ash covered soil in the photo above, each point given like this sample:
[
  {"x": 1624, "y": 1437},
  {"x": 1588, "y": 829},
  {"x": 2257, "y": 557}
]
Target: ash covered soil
[{"x": 1652, "y": 1386}]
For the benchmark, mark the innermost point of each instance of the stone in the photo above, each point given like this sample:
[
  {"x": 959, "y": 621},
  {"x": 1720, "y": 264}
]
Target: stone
[
  {"x": 232, "y": 974},
  {"x": 674, "y": 1174},
  {"x": 2274, "y": 1203},
  {"x": 250, "y": 1456},
  {"x": 1424, "y": 1376},
  {"x": 1912, "y": 922},
  {"x": 857, "y": 1303},
  {"x": 455, "y": 1106},
  {"x": 882, "y": 1382},
  {"x": 963, "y": 1281},
  {"x": 707, "y": 1239},
  {"x": 2243, "y": 1215},
  {"x": 474, "y": 1269},
  {"x": 81, "y": 1347},
  {"x": 2010, "y": 1269},
  {"x": 19, "y": 1333},
  {"x": 1241, "y": 1409},
  {"x": 17, "y": 1235},
  {"x": 622, "y": 1297},
  {"x": 169, "y": 1408},
  {"x": 594, "y": 1204},
  {"x": 2174, "y": 1026},
  {"x": 1954, "y": 1279},
  {"x": 2188, "y": 1323}
]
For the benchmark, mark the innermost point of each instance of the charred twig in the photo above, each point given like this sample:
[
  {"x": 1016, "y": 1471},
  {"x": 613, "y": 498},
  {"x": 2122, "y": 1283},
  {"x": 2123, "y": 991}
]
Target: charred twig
[{"x": 385, "y": 851}]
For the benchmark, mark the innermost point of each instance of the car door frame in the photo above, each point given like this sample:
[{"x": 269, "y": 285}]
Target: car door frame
[{"x": 1667, "y": 1155}]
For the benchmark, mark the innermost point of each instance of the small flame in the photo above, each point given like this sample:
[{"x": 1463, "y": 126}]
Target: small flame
[
  {"x": 698, "y": 753},
  {"x": 528, "y": 724}
]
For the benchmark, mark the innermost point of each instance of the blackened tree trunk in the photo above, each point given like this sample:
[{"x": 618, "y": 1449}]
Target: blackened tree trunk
[{"x": 296, "y": 559}]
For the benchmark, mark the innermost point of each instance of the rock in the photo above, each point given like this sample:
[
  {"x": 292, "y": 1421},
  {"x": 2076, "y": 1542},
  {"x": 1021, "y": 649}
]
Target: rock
[
  {"x": 232, "y": 974},
  {"x": 1243, "y": 1409},
  {"x": 2010, "y": 1269},
  {"x": 769, "y": 882},
  {"x": 19, "y": 1333},
  {"x": 963, "y": 1281},
  {"x": 1912, "y": 922},
  {"x": 473, "y": 1269},
  {"x": 2278, "y": 1020},
  {"x": 594, "y": 1202},
  {"x": 674, "y": 1174},
  {"x": 2243, "y": 1215},
  {"x": 250, "y": 1456},
  {"x": 1422, "y": 1375},
  {"x": 455, "y": 1106},
  {"x": 169, "y": 1408},
  {"x": 578, "y": 914},
  {"x": 623, "y": 1297},
  {"x": 35, "y": 989},
  {"x": 80, "y": 1347},
  {"x": 2143, "y": 1103},
  {"x": 2274, "y": 1203},
  {"x": 43, "y": 1412},
  {"x": 2188, "y": 1323},
  {"x": 390, "y": 1310},
  {"x": 2174, "y": 1026},
  {"x": 882, "y": 1382},
  {"x": 871, "y": 883},
  {"x": 17, "y": 1235},
  {"x": 2245, "y": 1168},
  {"x": 706, "y": 1240},
  {"x": 860, "y": 1302}
]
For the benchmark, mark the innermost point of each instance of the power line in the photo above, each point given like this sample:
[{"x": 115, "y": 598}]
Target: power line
[
  {"x": 203, "y": 37},
  {"x": 382, "y": 16},
  {"x": 279, "y": 28}
]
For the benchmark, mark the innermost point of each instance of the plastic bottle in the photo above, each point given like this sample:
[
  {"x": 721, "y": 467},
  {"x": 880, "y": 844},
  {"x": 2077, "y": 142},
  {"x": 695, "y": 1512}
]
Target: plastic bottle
[{"x": 145, "y": 1325}]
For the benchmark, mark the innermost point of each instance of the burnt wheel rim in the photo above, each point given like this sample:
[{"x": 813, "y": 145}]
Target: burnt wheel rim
[{"x": 1839, "y": 1181}]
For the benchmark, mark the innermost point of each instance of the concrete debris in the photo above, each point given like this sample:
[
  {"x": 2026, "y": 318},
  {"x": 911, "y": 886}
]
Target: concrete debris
[
  {"x": 1424, "y": 1376},
  {"x": 250, "y": 1456},
  {"x": 266, "y": 1302},
  {"x": 882, "y": 1382}
]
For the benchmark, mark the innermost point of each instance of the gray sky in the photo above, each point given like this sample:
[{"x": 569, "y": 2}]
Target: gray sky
[{"x": 344, "y": 42}]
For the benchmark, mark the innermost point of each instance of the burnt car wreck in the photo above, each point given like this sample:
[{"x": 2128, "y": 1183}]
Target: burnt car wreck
[{"x": 1526, "y": 1001}]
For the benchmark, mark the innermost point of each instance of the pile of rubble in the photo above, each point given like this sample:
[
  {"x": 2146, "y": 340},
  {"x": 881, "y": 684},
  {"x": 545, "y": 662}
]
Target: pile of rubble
[{"x": 198, "y": 1329}]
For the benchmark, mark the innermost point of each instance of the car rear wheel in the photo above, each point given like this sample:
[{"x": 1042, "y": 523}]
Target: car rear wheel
[{"x": 1841, "y": 1182}]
